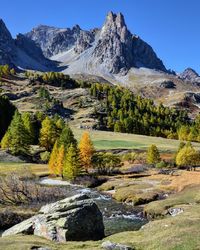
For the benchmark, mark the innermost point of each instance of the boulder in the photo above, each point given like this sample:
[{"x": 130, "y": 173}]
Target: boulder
[
  {"x": 115, "y": 246},
  {"x": 24, "y": 227},
  {"x": 168, "y": 85},
  {"x": 74, "y": 218},
  {"x": 175, "y": 211}
]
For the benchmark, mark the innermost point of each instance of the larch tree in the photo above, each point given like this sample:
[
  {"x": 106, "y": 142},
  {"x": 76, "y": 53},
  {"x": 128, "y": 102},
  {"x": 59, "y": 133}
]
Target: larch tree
[
  {"x": 86, "y": 148},
  {"x": 28, "y": 124},
  {"x": 153, "y": 155},
  {"x": 187, "y": 156},
  {"x": 16, "y": 138},
  {"x": 48, "y": 134},
  {"x": 5, "y": 142},
  {"x": 53, "y": 160},
  {"x": 60, "y": 160},
  {"x": 71, "y": 168},
  {"x": 67, "y": 138}
]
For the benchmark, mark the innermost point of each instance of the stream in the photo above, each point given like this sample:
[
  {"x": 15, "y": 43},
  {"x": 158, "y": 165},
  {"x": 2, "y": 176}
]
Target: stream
[{"x": 118, "y": 217}]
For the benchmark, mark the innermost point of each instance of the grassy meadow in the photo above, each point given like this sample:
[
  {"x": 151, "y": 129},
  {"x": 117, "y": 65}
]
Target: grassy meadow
[{"x": 112, "y": 140}]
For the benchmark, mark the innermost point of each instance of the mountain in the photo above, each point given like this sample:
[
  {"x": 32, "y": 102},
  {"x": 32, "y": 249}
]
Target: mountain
[
  {"x": 21, "y": 52},
  {"x": 109, "y": 50},
  {"x": 190, "y": 74}
]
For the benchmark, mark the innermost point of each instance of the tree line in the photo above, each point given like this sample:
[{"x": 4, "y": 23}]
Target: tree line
[{"x": 122, "y": 111}]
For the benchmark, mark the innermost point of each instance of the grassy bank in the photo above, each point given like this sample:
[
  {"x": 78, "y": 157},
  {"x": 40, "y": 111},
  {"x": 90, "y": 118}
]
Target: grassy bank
[
  {"x": 112, "y": 140},
  {"x": 23, "y": 169}
]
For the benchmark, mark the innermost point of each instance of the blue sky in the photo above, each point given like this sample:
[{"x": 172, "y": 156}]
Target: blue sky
[{"x": 171, "y": 27}]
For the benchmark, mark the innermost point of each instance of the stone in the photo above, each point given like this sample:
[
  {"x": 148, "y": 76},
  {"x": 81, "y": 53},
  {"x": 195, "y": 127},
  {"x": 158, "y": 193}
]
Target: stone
[
  {"x": 74, "y": 218},
  {"x": 175, "y": 211},
  {"x": 168, "y": 85},
  {"x": 24, "y": 227},
  {"x": 115, "y": 246}
]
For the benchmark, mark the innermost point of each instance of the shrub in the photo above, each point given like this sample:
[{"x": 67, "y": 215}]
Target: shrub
[
  {"x": 106, "y": 163},
  {"x": 45, "y": 156},
  {"x": 15, "y": 190},
  {"x": 161, "y": 164}
]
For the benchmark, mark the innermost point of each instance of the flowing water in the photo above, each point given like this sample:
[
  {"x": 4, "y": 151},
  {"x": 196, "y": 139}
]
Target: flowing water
[{"x": 118, "y": 217}]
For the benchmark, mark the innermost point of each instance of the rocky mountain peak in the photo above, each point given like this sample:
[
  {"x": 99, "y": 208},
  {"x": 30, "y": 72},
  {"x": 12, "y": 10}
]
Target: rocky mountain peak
[
  {"x": 4, "y": 32},
  {"x": 117, "y": 50},
  {"x": 189, "y": 74},
  {"x": 114, "y": 23}
]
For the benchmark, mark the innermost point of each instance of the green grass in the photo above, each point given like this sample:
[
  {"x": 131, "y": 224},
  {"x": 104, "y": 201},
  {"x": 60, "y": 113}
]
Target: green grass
[
  {"x": 27, "y": 242},
  {"x": 172, "y": 233},
  {"x": 112, "y": 140},
  {"x": 187, "y": 196},
  {"x": 23, "y": 168}
]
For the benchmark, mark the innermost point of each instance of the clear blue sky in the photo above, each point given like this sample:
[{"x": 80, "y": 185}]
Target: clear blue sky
[{"x": 171, "y": 27}]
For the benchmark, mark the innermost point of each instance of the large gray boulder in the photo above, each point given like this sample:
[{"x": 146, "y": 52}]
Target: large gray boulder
[{"x": 74, "y": 218}]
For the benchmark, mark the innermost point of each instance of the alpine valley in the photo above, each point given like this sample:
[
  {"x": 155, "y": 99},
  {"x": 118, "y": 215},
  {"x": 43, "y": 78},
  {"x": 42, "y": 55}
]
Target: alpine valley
[
  {"x": 99, "y": 141},
  {"x": 108, "y": 54}
]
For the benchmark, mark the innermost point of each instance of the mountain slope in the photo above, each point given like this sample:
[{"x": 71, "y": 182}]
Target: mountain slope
[
  {"x": 106, "y": 51},
  {"x": 21, "y": 52}
]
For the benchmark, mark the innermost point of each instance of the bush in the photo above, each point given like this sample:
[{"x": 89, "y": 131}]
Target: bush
[
  {"x": 130, "y": 157},
  {"x": 45, "y": 156},
  {"x": 17, "y": 191},
  {"x": 161, "y": 164},
  {"x": 106, "y": 163}
]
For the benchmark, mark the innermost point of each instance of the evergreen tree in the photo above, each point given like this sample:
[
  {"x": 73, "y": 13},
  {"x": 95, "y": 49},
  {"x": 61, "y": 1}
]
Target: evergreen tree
[
  {"x": 28, "y": 124},
  {"x": 153, "y": 155},
  {"x": 5, "y": 142},
  {"x": 48, "y": 134},
  {"x": 53, "y": 160},
  {"x": 67, "y": 138},
  {"x": 71, "y": 168},
  {"x": 86, "y": 148},
  {"x": 17, "y": 138}
]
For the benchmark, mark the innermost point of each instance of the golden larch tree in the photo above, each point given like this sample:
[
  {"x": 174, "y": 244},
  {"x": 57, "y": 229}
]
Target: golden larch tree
[
  {"x": 86, "y": 148},
  {"x": 60, "y": 160},
  {"x": 53, "y": 160}
]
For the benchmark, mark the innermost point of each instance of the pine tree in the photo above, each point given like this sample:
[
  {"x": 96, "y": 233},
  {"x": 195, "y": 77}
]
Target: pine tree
[
  {"x": 48, "y": 134},
  {"x": 53, "y": 160},
  {"x": 60, "y": 160},
  {"x": 86, "y": 151},
  {"x": 71, "y": 168},
  {"x": 153, "y": 155}
]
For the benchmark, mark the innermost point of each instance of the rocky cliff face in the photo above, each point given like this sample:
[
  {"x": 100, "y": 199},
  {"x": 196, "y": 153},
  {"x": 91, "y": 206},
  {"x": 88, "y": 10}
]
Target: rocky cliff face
[
  {"x": 53, "y": 40},
  {"x": 21, "y": 52},
  {"x": 112, "y": 48},
  {"x": 6, "y": 44},
  {"x": 119, "y": 50},
  {"x": 190, "y": 75},
  {"x": 109, "y": 50}
]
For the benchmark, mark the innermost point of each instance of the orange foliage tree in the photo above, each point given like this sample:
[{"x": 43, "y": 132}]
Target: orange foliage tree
[{"x": 86, "y": 151}]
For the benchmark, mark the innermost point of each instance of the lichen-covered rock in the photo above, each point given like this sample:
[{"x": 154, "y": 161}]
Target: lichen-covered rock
[
  {"x": 24, "y": 227},
  {"x": 107, "y": 245},
  {"x": 74, "y": 218}
]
